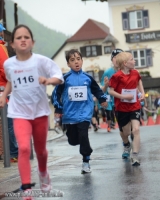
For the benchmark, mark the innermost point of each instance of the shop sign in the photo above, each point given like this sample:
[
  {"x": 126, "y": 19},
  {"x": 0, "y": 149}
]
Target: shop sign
[{"x": 143, "y": 37}]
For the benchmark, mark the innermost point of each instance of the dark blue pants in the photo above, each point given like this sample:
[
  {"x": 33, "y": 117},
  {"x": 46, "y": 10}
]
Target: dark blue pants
[{"x": 12, "y": 140}]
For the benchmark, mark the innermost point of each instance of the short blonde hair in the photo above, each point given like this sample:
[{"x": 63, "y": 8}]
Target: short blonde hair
[{"x": 121, "y": 58}]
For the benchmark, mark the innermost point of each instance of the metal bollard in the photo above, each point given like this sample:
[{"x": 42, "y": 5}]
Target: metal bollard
[{"x": 5, "y": 135}]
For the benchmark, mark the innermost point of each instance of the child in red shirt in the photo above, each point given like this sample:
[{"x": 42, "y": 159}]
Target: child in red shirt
[{"x": 123, "y": 86}]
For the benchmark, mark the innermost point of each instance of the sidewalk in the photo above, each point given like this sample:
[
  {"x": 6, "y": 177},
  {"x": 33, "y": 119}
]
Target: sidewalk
[{"x": 12, "y": 171}]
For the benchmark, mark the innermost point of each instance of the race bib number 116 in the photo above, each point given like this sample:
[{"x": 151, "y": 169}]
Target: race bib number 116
[{"x": 24, "y": 78}]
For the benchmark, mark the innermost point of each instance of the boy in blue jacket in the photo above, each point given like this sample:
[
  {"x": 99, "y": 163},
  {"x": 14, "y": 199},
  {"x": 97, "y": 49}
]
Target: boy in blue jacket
[{"x": 73, "y": 100}]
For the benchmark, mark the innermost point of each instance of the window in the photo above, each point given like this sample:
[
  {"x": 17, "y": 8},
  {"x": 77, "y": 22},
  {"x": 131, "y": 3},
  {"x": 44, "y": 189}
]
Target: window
[
  {"x": 142, "y": 57},
  {"x": 107, "y": 49},
  {"x": 91, "y": 51},
  {"x": 96, "y": 75},
  {"x": 135, "y": 20}
]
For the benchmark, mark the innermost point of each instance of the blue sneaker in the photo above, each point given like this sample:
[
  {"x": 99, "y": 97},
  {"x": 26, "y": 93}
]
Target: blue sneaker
[{"x": 126, "y": 152}]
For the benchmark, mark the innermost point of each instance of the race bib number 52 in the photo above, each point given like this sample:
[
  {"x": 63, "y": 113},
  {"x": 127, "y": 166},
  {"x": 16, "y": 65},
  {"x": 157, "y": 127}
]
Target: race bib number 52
[
  {"x": 24, "y": 78},
  {"x": 77, "y": 93}
]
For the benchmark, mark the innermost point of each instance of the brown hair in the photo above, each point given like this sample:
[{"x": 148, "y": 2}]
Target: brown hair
[
  {"x": 121, "y": 58},
  {"x": 72, "y": 52}
]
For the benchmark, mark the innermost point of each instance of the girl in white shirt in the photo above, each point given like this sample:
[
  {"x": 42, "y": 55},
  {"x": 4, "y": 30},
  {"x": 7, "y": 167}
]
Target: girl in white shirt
[{"x": 28, "y": 74}]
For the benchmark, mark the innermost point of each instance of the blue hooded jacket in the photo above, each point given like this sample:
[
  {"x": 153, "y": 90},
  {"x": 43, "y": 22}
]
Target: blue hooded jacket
[{"x": 76, "y": 111}]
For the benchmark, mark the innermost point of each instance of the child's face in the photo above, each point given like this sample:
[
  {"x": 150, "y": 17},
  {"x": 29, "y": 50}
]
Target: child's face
[
  {"x": 130, "y": 64},
  {"x": 75, "y": 62},
  {"x": 23, "y": 42}
]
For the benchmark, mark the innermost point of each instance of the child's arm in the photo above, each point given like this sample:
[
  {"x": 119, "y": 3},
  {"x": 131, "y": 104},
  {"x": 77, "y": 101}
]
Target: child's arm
[
  {"x": 56, "y": 98},
  {"x": 141, "y": 89},
  {"x": 120, "y": 96},
  {"x": 49, "y": 81},
  {"x": 98, "y": 93},
  {"x": 106, "y": 84},
  {"x": 6, "y": 92}
]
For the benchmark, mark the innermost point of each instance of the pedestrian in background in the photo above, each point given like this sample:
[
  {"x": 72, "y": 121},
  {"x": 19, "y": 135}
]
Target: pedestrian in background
[
  {"x": 27, "y": 76},
  {"x": 3, "y": 81},
  {"x": 104, "y": 83},
  {"x": 123, "y": 86},
  {"x": 73, "y": 99}
]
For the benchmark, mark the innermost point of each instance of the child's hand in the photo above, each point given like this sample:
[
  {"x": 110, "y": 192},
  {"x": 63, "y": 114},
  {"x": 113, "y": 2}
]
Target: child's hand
[
  {"x": 57, "y": 115},
  {"x": 106, "y": 81},
  {"x": 2, "y": 102},
  {"x": 128, "y": 96},
  {"x": 141, "y": 97},
  {"x": 104, "y": 104},
  {"x": 43, "y": 80}
]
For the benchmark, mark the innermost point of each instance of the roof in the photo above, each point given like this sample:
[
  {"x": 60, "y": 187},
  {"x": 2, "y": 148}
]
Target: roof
[{"x": 91, "y": 30}]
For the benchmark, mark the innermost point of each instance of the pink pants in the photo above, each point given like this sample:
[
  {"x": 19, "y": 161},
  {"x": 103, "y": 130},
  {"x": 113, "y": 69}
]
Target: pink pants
[{"x": 24, "y": 129}]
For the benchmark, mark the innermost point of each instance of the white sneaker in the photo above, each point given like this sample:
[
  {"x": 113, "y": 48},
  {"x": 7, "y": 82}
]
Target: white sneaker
[
  {"x": 85, "y": 168},
  {"x": 134, "y": 159},
  {"x": 45, "y": 182},
  {"x": 27, "y": 194},
  {"x": 46, "y": 187}
]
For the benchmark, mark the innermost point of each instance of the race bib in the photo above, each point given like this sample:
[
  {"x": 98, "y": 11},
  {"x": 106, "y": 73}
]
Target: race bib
[
  {"x": 132, "y": 92},
  {"x": 24, "y": 78},
  {"x": 77, "y": 93}
]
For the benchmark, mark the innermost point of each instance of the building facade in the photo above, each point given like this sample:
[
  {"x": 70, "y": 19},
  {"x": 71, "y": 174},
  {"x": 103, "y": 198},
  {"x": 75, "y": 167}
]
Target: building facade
[{"x": 136, "y": 26}]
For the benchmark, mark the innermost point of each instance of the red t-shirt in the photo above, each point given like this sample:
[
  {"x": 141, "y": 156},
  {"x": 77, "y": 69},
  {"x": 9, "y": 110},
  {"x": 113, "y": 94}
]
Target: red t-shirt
[{"x": 121, "y": 81}]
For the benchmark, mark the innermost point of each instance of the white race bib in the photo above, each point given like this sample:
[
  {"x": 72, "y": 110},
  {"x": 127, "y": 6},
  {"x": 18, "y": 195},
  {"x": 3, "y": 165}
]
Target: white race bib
[
  {"x": 24, "y": 78},
  {"x": 132, "y": 92},
  {"x": 108, "y": 98},
  {"x": 77, "y": 93}
]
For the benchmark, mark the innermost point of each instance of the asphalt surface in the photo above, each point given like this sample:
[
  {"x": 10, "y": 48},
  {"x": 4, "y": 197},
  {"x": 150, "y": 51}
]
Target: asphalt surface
[{"x": 112, "y": 178}]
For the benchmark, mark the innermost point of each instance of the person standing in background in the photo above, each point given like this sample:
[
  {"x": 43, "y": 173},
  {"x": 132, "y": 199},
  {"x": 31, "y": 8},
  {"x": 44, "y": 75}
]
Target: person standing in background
[{"x": 3, "y": 81}]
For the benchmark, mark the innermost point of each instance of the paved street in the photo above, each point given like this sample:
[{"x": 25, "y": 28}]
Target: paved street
[{"x": 112, "y": 178}]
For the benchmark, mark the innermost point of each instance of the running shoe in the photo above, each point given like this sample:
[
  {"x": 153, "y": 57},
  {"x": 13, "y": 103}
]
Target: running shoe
[
  {"x": 45, "y": 182},
  {"x": 109, "y": 129},
  {"x": 27, "y": 194},
  {"x": 14, "y": 160},
  {"x": 85, "y": 168},
  {"x": 95, "y": 128},
  {"x": 134, "y": 159},
  {"x": 126, "y": 152},
  {"x": 46, "y": 187}
]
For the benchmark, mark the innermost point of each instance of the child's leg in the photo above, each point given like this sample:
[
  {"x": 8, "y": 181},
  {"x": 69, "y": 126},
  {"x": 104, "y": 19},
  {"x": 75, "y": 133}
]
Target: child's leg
[
  {"x": 126, "y": 131},
  {"x": 135, "y": 131},
  {"x": 23, "y": 132},
  {"x": 72, "y": 134},
  {"x": 85, "y": 148},
  {"x": 40, "y": 131}
]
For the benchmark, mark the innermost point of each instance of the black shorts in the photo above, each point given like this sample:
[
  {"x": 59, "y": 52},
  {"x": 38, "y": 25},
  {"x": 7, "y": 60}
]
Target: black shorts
[{"x": 123, "y": 118}]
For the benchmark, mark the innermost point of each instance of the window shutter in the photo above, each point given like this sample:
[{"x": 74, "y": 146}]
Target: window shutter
[
  {"x": 149, "y": 59},
  {"x": 99, "y": 50},
  {"x": 83, "y": 51},
  {"x": 145, "y": 19},
  {"x": 125, "y": 21}
]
